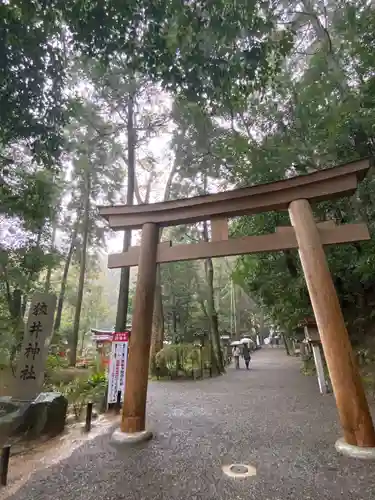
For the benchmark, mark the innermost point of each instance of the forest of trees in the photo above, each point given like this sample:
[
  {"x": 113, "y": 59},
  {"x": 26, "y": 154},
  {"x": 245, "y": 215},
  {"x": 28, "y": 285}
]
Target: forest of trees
[{"x": 102, "y": 104}]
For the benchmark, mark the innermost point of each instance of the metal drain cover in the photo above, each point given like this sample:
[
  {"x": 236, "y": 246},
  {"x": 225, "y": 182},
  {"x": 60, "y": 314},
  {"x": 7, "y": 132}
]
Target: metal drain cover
[{"x": 239, "y": 470}]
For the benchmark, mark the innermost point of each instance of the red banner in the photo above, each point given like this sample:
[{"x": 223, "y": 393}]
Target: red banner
[{"x": 120, "y": 337}]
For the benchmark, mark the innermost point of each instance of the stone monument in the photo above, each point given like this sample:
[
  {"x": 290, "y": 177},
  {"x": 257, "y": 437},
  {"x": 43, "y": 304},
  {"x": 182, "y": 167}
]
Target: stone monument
[
  {"x": 34, "y": 350},
  {"x": 29, "y": 411}
]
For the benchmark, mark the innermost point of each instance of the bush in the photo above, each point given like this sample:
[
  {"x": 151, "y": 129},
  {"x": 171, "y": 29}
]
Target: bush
[
  {"x": 98, "y": 378},
  {"x": 308, "y": 366},
  {"x": 192, "y": 356},
  {"x": 53, "y": 370},
  {"x": 175, "y": 358},
  {"x": 369, "y": 383},
  {"x": 79, "y": 392},
  {"x": 167, "y": 357}
]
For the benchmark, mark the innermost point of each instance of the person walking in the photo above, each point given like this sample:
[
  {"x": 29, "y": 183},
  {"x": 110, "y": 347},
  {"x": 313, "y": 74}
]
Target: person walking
[
  {"x": 246, "y": 355},
  {"x": 236, "y": 356}
]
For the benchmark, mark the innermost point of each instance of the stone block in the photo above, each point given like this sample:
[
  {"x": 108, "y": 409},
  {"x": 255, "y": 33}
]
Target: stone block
[
  {"x": 11, "y": 417},
  {"x": 45, "y": 415}
]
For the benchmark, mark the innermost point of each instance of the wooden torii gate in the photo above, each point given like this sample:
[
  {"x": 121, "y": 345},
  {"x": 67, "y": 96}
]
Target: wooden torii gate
[{"x": 293, "y": 194}]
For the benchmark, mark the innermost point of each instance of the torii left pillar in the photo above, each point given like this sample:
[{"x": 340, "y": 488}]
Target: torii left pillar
[{"x": 133, "y": 424}]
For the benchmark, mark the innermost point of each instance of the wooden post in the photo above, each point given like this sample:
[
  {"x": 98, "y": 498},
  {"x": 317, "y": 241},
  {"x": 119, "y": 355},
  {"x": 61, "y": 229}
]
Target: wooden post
[
  {"x": 134, "y": 408},
  {"x": 88, "y": 417},
  {"x": 219, "y": 229},
  {"x": 346, "y": 382}
]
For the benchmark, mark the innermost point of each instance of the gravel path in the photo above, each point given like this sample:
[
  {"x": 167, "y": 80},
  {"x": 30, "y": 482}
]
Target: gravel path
[{"x": 271, "y": 417}]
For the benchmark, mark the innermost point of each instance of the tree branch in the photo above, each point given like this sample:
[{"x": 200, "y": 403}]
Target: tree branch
[
  {"x": 137, "y": 192},
  {"x": 148, "y": 186}
]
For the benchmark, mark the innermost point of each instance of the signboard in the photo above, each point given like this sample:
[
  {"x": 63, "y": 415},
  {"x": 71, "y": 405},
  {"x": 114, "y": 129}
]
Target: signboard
[
  {"x": 117, "y": 366},
  {"x": 31, "y": 364}
]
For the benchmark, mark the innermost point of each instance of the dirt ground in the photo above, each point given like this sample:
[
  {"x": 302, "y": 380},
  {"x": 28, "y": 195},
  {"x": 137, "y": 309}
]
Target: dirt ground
[{"x": 28, "y": 458}]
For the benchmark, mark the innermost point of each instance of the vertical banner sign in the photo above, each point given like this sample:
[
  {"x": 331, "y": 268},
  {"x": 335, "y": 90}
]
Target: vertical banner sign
[
  {"x": 31, "y": 363},
  {"x": 117, "y": 366}
]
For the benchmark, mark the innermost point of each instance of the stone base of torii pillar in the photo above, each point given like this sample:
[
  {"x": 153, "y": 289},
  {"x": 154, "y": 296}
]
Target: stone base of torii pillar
[{"x": 127, "y": 438}]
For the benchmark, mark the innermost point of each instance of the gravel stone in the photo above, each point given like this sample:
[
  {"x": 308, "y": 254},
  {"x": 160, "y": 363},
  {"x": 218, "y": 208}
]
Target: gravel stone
[{"x": 271, "y": 417}]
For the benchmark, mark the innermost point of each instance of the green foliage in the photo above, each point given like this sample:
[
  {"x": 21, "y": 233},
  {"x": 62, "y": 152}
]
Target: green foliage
[
  {"x": 54, "y": 361},
  {"x": 79, "y": 392},
  {"x": 210, "y": 51},
  {"x": 308, "y": 366},
  {"x": 240, "y": 117},
  {"x": 183, "y": 316},
  {"x": 82, "y": 390},
  {"x": 174, "y": 358},
  {"x": 167, "y": 357},
  {"x": 31, "y": 79},
  {"x": 54, "y": 370},
  {"x": 320, "y": 118},
  {"x": 192, "y": 52},
  {"x": 97, "y": 311},
  {"x": 98, "y": 378}
]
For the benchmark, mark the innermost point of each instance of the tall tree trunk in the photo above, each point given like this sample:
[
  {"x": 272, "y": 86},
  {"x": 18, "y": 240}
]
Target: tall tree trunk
[
  {"x": 64, "y": 280},
  {"x": 213, "y": 356},
  {"x": 83, "y": 337},
  {"x": 262, "y": 334},
  {"x": 82, "y": 271},
  {"x": 157, "y": 338},
  {"x": 212, "y": 313},
  {"x": 47, "y": 284},
  {"x": 123, "y": 296},
  {"x": 32, "y": 275},
  {"x": 19, "y": 300},
  {"x": 236, "y": 313},
  {"x": 287, "y": 350},
  {"x": 174, "y": 320}
]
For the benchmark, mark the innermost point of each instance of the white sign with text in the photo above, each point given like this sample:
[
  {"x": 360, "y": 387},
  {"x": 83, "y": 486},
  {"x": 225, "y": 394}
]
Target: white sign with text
[{"x": 117, "y": 366}]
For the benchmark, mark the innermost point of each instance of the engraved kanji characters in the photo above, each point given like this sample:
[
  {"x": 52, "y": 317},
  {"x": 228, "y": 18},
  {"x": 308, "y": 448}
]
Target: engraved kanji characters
[
  {"x": 32, "y": 350},
  {"x": 28, "y": 373},
  {"x": 40, "y": 308},
  {"x": 35, "y": 328}
]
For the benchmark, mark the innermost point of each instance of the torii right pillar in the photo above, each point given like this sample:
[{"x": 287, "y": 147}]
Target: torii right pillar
[{"x": 347, "y": 386}]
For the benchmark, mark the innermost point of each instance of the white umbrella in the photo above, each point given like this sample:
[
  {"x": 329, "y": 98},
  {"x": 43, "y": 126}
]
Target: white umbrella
[
  {"x": 236, "y": 342},
  {"x": 246, "y": 341}
]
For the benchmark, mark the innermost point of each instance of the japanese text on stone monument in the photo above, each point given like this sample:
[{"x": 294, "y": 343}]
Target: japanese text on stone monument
[{"x": 31, "y": 363}]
